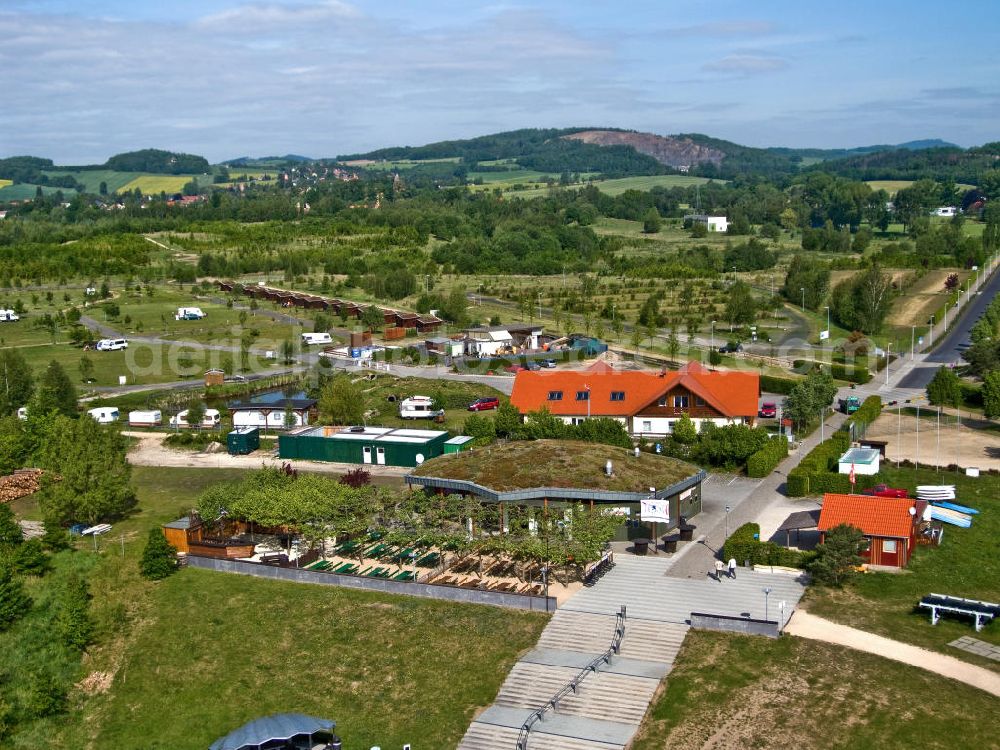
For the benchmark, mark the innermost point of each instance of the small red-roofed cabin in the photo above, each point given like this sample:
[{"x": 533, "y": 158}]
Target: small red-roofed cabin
[{"x": 888, "y": 523}]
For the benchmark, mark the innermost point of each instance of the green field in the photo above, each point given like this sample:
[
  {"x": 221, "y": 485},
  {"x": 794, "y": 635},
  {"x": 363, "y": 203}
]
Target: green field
[
  {"x": 23, "y": 191},
  {"x": 5, "y": 183},
  {"x": 533, "y": 187},
  {"x": 729, "y": 691},
  {"x": 191, "y": 658},
  {"x": 152, "y": 184},
  {"x": 964, "y": 565},
  {"x": 399, "y": 163},
  {"x": 893, "y": 186},
  {"x": 92, "y": 178},
  {"x": 619, "y": 186}
]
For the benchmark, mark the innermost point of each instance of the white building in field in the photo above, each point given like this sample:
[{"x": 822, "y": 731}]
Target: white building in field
[{"x": 712, "y": 223}]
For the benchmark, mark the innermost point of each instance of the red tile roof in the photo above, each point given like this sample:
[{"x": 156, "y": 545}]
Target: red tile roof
[
  {"x": 732, "y": 393},
  {"x": 875, "y": 516}
]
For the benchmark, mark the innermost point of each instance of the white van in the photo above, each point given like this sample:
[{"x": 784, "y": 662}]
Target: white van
[
  {"x": 211, "y": 419},
  {"x": 418, "y": 407},
  {"x": 189, "y": 313},
  {"x": 310, "y": 339},
  {"x": 9, "y": 316},
  {"x": 111, "y": 345},
  {"x": 152, "y": 418},
  {"x": 104, "y": 414}
]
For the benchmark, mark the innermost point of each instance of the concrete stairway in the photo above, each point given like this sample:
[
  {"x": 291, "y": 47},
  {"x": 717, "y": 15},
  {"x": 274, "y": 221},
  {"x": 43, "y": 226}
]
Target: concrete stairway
[{"x": 606, "y": 710}]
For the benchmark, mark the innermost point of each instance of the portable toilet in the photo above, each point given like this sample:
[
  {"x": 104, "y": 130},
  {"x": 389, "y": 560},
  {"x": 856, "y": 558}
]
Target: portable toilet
[
  {"x": 243, "y": 440},
  {"x": 458, "y": 444}
]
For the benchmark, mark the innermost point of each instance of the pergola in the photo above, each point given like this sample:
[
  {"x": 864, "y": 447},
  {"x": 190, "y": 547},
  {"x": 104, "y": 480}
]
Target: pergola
[{"x": 279, "y": 732}]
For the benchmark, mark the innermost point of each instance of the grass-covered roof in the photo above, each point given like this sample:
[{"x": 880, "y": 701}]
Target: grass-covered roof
[{"x": 570, "y": 464}]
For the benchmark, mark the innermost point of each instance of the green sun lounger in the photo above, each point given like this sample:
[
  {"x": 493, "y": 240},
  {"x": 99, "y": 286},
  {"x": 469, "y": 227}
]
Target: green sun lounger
[
  {"x": 406, "y": 575},
  {"x": 429, "y": 560}
]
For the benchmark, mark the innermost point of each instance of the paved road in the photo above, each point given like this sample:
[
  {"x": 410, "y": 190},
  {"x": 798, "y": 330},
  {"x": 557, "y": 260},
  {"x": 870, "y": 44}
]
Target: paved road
[{"x": 948, "y": 349}]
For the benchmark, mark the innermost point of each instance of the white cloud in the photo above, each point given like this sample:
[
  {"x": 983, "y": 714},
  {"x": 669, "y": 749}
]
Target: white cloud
[{"x": 264, "y": 16}]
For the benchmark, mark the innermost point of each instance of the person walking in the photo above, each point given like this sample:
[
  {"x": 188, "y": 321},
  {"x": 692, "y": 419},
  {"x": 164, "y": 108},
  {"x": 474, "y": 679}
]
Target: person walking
[
  {"x": 732, "y": 568},
  {"x": 719, "y": 567}
]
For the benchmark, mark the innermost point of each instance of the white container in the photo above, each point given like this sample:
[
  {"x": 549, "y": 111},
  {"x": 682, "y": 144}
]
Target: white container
[
  {"x": 311, "y": 339},
  {"x": 112, "y": 345}
]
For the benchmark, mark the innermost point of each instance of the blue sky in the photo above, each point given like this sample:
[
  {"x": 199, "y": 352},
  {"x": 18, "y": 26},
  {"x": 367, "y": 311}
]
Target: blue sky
[{"x": 226, "y": 78}]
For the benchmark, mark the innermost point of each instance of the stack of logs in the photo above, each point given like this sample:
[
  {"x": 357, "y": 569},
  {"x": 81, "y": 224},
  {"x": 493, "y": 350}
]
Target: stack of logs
[{"x": 22, "y": 482}]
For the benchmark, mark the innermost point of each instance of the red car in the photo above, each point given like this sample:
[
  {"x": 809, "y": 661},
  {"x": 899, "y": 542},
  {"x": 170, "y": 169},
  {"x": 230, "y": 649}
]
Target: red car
[
  {"x": 884, "y": 490},
  {"x": 768, "y": 410},
  {"x": 513, "y": 369},
  {"x": 485, "y": 404}
]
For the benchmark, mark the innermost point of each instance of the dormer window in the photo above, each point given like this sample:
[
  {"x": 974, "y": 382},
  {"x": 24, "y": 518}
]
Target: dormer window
[
  {"x": 617, "y": 395},
  {"x": 680, "y": 402},
  {"x": 555, "y": 395},
  {"x": 583, "y": 395}
]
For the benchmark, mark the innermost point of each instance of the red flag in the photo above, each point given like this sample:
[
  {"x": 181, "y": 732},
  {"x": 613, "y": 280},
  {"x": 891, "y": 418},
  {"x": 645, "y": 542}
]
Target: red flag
[{"x": 851, "y": 475}]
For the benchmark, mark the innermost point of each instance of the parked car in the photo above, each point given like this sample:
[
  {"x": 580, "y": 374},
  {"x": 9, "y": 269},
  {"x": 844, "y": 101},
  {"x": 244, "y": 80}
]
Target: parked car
[
  {"x": 731, "y": 348},
  {"x": 549, "y": 363},
  {"x": 533, "y": 366},
  {"x": 513, "y": 369},
  {"x": 485, "y": 404},
  {"x": 768, "y": 411},
  {"x": 884, "y": 490}
]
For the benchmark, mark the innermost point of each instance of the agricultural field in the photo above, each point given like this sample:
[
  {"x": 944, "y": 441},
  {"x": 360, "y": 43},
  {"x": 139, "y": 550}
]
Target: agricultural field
[
  {"x": 92, "y": 178},
  {"x": 180, "y": 663},
  {"x": 24, "y": 191},
  {"x": 730, "y": 691},
  {"x": 398, "y": 163},
  {"x": 533, "y": 183},
  {"x": 894, "y": 186},
  {"x": 5, "y": 183},
  {"x": 964, "y": 565},
  {"x": 923, "y": 297},
  {"x": 154, "y": 184},
  {"x": 619, "y": 186}
]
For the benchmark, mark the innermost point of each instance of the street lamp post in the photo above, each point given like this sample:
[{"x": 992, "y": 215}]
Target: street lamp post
[
  {"x": 728, "y": 508},
  {"x": 931, "y": 344},
  {"x": 803, "y": 290},
  {"x": 913, "y": 342},
  {"x": 888, "y": 351},
  {"x": 767, "y": 593},
  {"x": 712, "y": 347},
  {"x": 539, "y": 305},
  {"x": 828, "y": 320}
]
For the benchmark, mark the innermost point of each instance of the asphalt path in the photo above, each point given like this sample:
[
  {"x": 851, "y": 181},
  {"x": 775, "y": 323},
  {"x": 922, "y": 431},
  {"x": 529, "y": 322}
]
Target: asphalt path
[{"x": 951, "y": 346}]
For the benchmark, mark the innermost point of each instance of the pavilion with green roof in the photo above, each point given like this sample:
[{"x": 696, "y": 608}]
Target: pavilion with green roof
[{"x": 555, "y": 473}]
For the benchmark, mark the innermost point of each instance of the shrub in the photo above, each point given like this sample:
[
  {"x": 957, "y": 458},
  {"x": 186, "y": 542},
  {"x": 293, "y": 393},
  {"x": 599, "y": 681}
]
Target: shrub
[
  {"x": 764, "y": 461},
  {"x": 772, "y": 384},
  {"x": 73, "y": 624},
  {"x": 14, "y": 602},
  {"x": 742, "y": 546},
  {"x": 159, "y": 558},
  {"x": 797, "y": 484},
  {"x": 358, "y": 477}
]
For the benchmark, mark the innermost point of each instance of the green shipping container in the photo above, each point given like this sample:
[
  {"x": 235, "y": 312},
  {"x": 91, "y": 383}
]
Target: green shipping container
[
  {"x": 377, "y": 446},
  {"x": 458, "y": 444},
  {"x": 243, "y": 440}
]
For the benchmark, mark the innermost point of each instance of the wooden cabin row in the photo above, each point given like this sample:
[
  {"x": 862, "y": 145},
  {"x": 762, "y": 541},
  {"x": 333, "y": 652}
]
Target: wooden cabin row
[{"x": 285, "y": 298}]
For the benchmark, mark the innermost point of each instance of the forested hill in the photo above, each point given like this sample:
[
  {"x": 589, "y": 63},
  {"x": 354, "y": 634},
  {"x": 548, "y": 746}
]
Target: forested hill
[
  {"x": 617, "y": 152},
  {"x": 158, "y": 162},
  {"x": 543, "y": 149},
  {"x": 942, "y": 164}
]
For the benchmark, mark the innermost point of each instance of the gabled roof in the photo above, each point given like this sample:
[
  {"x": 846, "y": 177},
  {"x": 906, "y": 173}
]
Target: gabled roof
[
  {"x": 875, "y": 516},
  {"x": 731, "y": 393}
]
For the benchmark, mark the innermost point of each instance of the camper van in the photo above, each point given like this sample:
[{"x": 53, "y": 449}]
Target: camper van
[
  {"x": 310, "y": 339},
  {"x": 9, "y": 316},
  {"x": 211, "y": 419},
  {"x": 418, "y": 407},
  {"x": 189, "y": 313},
  {"x": 22, "y": 413},
  {"x": 152, "y": 418},
  {"x": 111, "y": 345},
  {"x": 104, "y": 414}
]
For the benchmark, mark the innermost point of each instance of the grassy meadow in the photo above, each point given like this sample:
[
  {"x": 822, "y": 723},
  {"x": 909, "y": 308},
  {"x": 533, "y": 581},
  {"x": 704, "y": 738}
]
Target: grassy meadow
[{"x": 731, "y": 691}]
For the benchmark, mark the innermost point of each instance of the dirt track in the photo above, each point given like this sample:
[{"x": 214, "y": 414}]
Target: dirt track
[
  {"x": 968, "y": 445},
  {"x": 150, "y": 451}
]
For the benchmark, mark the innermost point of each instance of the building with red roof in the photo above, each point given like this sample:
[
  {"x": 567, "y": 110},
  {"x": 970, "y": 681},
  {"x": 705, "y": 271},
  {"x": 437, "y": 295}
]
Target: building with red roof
[
  {"x": 649, "y": 403},
  {"x": 889, "y": 524}
]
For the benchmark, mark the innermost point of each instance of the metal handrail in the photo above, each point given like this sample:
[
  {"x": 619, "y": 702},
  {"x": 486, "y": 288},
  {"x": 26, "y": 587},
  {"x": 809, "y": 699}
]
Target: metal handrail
[{"x": 553, "y": 702}]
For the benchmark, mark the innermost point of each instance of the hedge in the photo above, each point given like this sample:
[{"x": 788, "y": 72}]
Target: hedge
[
  {"x": 853, "y": 374},
  {"x": 772, "y": 384},
  {"x": 870, "y": 410},
  {"x": 764, "y": 461},
  {"x": 742, "y": 546}
]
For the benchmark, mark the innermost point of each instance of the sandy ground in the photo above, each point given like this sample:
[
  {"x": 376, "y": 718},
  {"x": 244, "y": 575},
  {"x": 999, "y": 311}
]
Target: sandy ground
[
  {"x": 816, "y": 628},
  {"x": 967, "y": 446},
  {"x": 921, "y": 299},
  {"x": 150, "y": 451}
]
